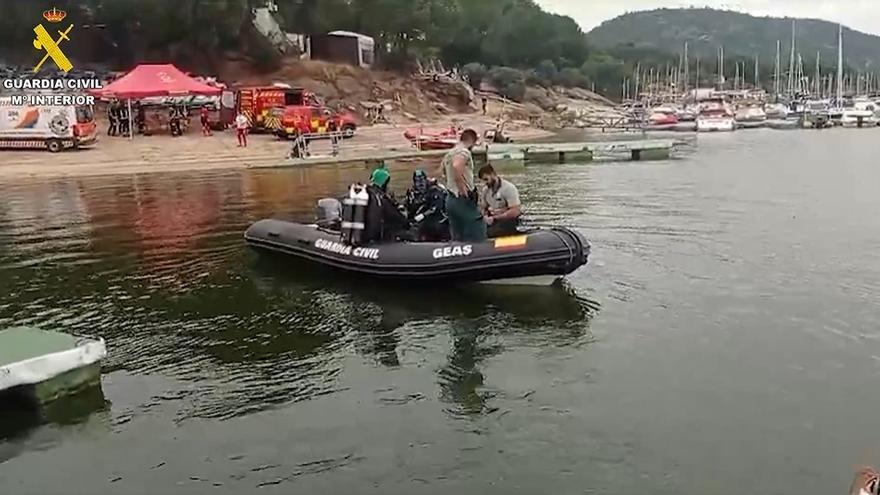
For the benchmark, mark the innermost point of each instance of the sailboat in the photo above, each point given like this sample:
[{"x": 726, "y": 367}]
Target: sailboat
[
  {"x": 855, "y": 116},
  {"x": 776, "y": 110}
]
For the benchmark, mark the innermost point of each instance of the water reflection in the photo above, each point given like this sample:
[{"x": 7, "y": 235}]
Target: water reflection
[
  {"x": 20, "y": 418},
  {"x": 156, "y": 265},
  {"x": 477, "y": 318}
]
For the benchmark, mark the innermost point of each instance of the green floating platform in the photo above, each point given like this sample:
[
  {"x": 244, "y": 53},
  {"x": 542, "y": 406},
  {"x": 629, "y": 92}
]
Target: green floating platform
[{"x": 46, "y": 365}]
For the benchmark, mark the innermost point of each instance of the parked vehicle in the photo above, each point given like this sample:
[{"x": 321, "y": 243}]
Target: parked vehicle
[
  {"x": 293, "y": 120},
  {"x": 257, "y": 103},
  {"x": 54, "y": 128}
]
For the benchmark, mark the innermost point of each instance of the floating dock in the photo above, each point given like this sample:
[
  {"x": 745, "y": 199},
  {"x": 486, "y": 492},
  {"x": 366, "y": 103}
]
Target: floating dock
[
  {"x": 44, "y": 365},
  {"x": 636, "y": 149},
  {"x": 560, "y": 152}
]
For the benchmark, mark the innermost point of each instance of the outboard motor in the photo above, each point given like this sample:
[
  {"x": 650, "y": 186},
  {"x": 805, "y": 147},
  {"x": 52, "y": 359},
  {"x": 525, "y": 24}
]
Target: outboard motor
[
  {"x": 328, "y": 212},
  {"x": 354, "y": 213}
]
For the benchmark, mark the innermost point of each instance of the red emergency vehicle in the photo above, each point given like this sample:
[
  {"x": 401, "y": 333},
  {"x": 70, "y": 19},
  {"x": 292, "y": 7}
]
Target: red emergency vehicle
[
  {"x": 257, "y": 102},
  {"x": 309, "y": 119}
]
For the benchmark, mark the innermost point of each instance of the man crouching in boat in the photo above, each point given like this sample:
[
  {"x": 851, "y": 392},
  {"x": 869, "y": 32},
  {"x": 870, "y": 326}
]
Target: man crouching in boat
[
  {"x": 500, "y": 203},
  {"x": 385, "y": 221},
  {"x": 465, "y": 221},
  {"x": 425, "y": 205}
]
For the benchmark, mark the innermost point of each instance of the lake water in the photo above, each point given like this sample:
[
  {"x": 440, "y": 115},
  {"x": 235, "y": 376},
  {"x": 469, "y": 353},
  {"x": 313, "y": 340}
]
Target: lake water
[{"x": 724, "y": 339}]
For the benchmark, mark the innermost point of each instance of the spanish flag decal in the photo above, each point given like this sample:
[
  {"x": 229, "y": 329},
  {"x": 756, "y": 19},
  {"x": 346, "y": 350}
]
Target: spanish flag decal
[{"x": 511, "y": 242}]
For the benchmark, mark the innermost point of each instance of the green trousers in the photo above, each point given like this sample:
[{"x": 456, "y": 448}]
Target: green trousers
[{"x": 465, "y": 220}]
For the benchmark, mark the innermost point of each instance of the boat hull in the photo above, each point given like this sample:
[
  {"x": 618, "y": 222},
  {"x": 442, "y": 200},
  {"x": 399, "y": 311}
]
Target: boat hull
[
  {"x": 546, "y": 252},
  {"x": 45, "y": 365},
  {"x": 716, "y": 125}
]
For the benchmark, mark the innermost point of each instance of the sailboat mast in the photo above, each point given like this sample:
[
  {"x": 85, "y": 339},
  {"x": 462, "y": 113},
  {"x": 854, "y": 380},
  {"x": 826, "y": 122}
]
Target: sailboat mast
[
  {"x": 686, "y": 68},
  {"x": 818, "y": 84},
  {"x": 776, "y": 72},
  {"x": 638, "y": 79},
  {"x": 736, "y": 78},
  {"x": 757, "y": 71},
  {"x": 839, "y": 63},
  {"x": 791, "y": 60}
]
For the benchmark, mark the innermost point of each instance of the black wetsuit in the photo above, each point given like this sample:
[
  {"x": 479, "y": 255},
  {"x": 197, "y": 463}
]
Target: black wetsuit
[
  {"x": 429, "y": 201},
  {"x": 385, "y": 221}
]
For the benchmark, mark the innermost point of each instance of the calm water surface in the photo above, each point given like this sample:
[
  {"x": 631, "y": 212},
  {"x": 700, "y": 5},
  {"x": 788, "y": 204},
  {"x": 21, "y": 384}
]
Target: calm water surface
[{"x": 724, "y": 339}]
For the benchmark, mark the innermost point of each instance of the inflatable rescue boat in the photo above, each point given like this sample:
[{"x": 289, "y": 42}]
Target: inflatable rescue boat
[{"x": 536, "y": 257}]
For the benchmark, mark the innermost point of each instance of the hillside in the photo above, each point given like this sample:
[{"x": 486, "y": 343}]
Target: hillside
[
  {"x": 741, "y": 35},
  {"x": 408, "y": 98}
]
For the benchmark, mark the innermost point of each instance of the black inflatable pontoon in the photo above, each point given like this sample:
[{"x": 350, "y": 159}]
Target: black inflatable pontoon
[{"x": 537, "y": 257}]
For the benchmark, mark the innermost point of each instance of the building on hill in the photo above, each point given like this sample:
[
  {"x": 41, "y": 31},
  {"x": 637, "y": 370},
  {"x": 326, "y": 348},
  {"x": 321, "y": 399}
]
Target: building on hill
[{"x": 344, "y": 47}]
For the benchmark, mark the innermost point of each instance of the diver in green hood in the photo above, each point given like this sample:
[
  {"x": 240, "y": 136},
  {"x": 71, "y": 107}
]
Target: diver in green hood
[
  {"x": 385, "y": 220},
  {"x": 381, "y": 177}
]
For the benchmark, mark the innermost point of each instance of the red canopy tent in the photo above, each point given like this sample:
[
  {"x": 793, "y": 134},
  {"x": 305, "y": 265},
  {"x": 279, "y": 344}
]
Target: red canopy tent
[{"x": 148, "y": 80}]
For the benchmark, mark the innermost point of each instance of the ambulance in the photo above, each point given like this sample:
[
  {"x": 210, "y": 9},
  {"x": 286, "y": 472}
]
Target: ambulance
[{"x": 51, "y": 127}]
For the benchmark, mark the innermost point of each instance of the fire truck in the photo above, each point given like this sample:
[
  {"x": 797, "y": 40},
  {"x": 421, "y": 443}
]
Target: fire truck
[
  {"x": 286, "y": 111},
  {"x": 257, "y": 102},
  {"x": 293, "y": 120}
]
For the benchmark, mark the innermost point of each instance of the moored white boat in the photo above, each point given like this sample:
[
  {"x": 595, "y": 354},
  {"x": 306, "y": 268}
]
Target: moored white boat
[
  {"x": 861, "y": 114},
  {"x": 750, "y": 113},
  {"x": 47, "y": 365},
  {"x": 686, "y": 114},
  {"x": 776, "y": 111},
  {"x": 715, "y": 116},
  {"x": 715, "y": 121}
]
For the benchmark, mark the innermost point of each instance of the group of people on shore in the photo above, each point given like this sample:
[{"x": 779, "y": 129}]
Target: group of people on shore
[
  {"x": 454, "y": 209},
  {"x": 120, "y": 121}
]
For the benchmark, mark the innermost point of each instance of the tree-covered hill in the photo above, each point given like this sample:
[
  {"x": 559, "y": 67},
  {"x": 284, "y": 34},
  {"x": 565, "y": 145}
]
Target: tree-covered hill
[
  {"x": 741, "y": 35},
  {"x": 537, "y": 46}
]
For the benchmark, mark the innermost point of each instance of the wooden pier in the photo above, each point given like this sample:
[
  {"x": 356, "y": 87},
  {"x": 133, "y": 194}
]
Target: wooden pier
[{"x": 636, "y": 149}]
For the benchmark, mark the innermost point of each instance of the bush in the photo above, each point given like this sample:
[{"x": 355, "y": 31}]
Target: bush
[
  {"x": 571, "y": 77},
  {"x": 475, "y": 73},
  {"x": 510, "y": 82},
  {"x": 533, "y": 78},
  {"x": 546, "y": 73}
]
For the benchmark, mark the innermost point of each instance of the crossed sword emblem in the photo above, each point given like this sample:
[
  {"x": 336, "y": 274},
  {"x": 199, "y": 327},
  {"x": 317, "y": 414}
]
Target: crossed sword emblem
[{"x": 44, "y": 41}]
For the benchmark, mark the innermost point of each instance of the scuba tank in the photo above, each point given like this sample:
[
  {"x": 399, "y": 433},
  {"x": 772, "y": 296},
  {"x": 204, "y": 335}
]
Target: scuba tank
[{"x": 354, "y": 212}]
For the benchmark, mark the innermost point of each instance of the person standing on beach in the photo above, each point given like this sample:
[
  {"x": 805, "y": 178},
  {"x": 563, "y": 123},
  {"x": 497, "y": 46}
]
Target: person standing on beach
[
  {"x": 113, "y": 117},
  {"x": 206, "y": 124},
  {"x": 241, "y": 129},
  {"x": 465, "y": 220}
]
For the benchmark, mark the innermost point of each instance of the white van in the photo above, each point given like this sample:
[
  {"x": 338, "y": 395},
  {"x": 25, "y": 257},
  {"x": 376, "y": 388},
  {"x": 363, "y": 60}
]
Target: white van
[{"x": 51, "y": 127}]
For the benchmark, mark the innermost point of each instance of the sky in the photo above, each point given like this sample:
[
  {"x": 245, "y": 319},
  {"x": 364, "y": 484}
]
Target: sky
[{"x": 863, "y": 15}]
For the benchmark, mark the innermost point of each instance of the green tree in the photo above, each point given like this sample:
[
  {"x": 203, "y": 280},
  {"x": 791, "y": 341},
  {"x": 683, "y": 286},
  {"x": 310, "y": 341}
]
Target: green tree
[
  {"x": 547, "y": 73},
  {"x": 605, "y": 71},
  {"x": 475, "y": 73},
  {"x": 510, "y": 82},
  {"x": 571, "y": 77}
]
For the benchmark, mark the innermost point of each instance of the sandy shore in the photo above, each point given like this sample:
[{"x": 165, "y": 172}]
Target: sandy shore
[{"x": 162, "y": 153}]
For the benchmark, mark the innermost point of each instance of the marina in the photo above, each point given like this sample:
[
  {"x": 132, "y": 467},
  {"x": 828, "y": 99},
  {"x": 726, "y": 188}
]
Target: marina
[{"x": 794, "y": 99}]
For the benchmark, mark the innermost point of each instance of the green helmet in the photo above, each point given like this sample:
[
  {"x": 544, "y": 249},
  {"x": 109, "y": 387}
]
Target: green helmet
[{"x": 380, "y": 176}]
